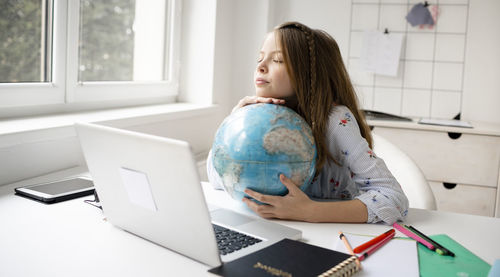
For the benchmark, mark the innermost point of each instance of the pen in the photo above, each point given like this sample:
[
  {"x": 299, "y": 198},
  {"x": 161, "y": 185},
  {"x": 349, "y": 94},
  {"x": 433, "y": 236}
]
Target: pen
[
  {"x": 376, "y": 246},
  {"x": 349, "y": 248},
  {"x": 413, "y": 236},
  {"x": 372, "y": 242},
  {"x": 441, "y": 250}
]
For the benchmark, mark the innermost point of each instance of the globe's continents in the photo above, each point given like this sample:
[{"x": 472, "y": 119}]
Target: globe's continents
[{"x": 257, "y": 143}]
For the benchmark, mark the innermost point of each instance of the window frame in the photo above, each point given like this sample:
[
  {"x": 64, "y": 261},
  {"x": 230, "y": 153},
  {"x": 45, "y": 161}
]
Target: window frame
[
  {"x": 64, "y": 88},
  {"x": 121, "y": 90},
  {"x": 43, "y": 93}
]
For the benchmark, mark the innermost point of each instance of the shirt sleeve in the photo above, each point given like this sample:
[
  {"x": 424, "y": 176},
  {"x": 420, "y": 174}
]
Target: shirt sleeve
[
  {"x": 213, "y": 176},
  {"x": 379, "y": 190}
]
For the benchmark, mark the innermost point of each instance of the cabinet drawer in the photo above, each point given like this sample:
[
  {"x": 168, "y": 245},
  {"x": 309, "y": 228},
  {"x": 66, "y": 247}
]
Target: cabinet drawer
[
  {"x": 470, "y": 159},
  {"x": 465, "y": 199}
]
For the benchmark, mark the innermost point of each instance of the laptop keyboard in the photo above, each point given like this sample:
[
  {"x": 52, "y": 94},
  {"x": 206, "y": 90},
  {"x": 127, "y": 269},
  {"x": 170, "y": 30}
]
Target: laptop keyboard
[{"x": 229, "y": 240}]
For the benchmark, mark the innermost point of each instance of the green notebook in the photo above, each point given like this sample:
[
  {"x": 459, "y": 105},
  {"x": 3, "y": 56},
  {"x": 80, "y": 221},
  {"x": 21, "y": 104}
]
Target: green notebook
[{"x": 465, "y": 263}]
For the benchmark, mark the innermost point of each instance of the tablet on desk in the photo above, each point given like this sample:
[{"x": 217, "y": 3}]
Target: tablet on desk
[{"x": 58, "y": 191}]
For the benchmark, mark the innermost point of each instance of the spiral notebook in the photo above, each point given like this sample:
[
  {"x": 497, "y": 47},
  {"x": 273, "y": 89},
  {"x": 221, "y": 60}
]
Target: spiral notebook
[{"x": 290, "y": 258}]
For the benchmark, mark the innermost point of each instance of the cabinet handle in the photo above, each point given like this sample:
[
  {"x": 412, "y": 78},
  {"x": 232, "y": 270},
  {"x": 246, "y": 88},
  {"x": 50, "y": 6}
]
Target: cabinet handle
[
  {"x": 449, "y": 185},
  {"x": 454, "y": 135}
]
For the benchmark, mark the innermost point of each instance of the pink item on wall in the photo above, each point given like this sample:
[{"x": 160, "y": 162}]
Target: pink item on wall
[{"x": 434, "y": 11}]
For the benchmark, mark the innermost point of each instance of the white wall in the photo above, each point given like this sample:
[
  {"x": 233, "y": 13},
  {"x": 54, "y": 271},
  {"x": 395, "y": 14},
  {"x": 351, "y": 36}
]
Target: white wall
[
  {"x": 249, "y": 26},
  {"x": 222, "y": 73},
  {"x": 331, "y": 16},
  {"x": 197, "y": 48},
  {"x": 221, "y": 53},
  {"x": 482, "y": 68}
]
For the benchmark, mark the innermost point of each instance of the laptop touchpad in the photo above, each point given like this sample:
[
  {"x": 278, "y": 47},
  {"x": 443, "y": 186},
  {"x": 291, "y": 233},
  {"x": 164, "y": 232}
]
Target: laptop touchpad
[{"x": 229, "y": 218}]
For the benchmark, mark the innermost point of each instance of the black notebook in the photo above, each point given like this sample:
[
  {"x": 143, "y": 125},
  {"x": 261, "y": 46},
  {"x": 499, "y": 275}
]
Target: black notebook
[{"x": 289, "y": 258}]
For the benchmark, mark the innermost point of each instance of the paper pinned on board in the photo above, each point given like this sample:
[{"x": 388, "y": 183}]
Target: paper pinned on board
[{"x": 381, "y": 52}]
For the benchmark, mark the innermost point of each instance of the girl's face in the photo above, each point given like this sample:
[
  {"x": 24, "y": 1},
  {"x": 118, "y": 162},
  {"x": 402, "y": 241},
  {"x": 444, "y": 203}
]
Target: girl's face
[{"x": 271, "y": 77}]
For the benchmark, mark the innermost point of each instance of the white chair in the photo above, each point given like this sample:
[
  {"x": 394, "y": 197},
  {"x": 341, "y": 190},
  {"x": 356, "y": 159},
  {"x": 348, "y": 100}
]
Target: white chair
[{"x": 406, "y": 171}]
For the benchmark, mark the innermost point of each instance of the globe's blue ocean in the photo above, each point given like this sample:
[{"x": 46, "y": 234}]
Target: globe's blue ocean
[{"x": 257, "y": 143}]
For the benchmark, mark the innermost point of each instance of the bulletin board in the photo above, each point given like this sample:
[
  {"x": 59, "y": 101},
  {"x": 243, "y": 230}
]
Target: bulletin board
[{"x": 429, "y": 82}]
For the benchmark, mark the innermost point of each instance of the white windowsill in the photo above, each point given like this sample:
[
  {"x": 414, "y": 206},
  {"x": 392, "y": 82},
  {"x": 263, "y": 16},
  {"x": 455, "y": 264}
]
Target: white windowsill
[{"x": 23, "y": 130}]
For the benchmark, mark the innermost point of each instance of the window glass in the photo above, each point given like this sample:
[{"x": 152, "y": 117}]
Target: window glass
[
  {"x": 122, "y": 40},
  {"x": 25, "y": 41}
]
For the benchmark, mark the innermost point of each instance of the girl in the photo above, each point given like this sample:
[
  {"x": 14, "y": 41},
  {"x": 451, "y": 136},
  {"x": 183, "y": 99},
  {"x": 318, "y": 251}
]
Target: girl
[{"x": 302, "y": 68}]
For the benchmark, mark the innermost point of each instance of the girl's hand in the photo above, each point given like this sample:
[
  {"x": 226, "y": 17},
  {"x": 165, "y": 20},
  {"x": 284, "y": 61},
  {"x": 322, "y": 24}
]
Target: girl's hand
[
  {"x": 296, "y": 205},
  {"x": 247, "y": 100}
]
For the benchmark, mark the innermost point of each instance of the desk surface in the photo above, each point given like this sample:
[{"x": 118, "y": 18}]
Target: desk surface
[{"x": 73, "y": 239}]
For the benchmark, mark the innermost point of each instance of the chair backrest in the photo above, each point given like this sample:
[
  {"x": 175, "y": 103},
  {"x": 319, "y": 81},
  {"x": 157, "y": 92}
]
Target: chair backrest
[{"x": 406, "y": 171}]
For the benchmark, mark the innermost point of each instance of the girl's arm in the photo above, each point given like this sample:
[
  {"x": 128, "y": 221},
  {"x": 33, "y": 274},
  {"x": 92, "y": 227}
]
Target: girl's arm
[
  {"x": 380, "y": 191},
  {"x": 296, "y": 205},
  {"x": 351, "y": 211}
]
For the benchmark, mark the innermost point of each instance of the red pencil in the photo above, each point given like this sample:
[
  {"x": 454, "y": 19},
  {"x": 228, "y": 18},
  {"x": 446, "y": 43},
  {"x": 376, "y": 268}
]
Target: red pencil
[
  {"x": 375, "y": 247},
  {"x": 372, "y": 242}
]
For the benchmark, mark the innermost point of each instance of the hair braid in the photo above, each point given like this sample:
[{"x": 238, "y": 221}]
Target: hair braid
[
  {"x": 311, "y": 112},
  {"x": 307, "y": 103},
  {"x": 312, "y": 67}
]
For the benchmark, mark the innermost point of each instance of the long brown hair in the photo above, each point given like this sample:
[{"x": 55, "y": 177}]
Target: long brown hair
[{"x": 319, "y": 79}]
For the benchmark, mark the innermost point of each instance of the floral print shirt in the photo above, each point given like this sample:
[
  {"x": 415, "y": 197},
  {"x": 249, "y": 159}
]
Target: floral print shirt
[{"x": 359, "y": 173}]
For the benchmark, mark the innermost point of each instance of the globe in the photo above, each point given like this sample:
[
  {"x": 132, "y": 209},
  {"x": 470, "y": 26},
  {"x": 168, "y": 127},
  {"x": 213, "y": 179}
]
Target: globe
[{"x": 257, "y": 143}]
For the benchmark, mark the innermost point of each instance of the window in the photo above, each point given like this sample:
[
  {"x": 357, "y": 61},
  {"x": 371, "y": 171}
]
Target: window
[
  {"x": 122, "y": 41},
  {"x": 88, "y": 51},
  {"x": 106, "y": 40},
  {"x": 31, "y": 55},
  {"x": 25, "y": 38}
]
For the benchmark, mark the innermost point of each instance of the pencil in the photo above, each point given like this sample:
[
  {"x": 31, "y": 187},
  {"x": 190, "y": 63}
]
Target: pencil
[
  {"x": 414, "y": 236},
  {"x": 374, "y": 248},
  {"x": 349, "y": 248},
  {"x": 372, "y": 242},
  {"x": 444, "y": 250}
]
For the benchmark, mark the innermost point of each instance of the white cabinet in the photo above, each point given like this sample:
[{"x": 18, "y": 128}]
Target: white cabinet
[
  {"x": 469, "y": 199},
  {"x": 462, "y": 165}
]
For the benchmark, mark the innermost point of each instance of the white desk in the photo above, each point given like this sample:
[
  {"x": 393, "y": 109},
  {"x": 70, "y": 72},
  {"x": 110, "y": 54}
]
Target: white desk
[{"x": 72, "y": 239}]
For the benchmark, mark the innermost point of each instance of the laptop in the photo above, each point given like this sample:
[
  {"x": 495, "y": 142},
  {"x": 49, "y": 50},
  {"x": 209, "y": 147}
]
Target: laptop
[{"x": 149, "y": 186}]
